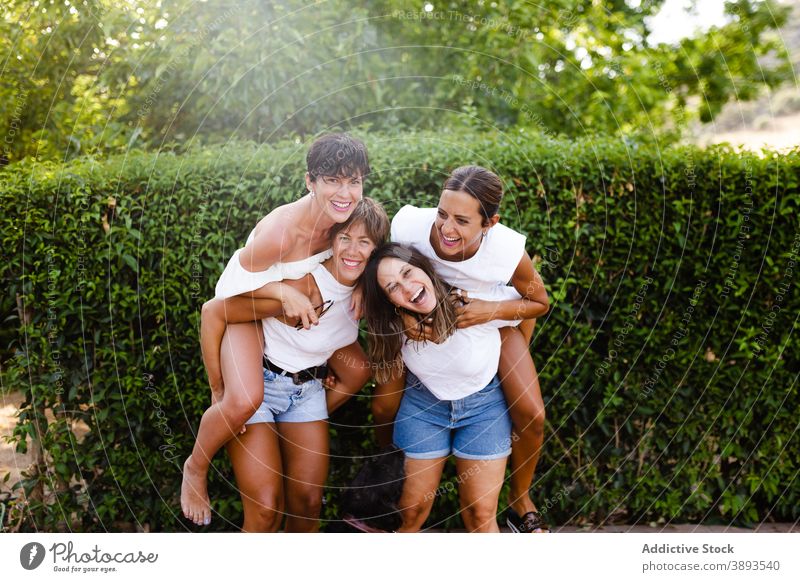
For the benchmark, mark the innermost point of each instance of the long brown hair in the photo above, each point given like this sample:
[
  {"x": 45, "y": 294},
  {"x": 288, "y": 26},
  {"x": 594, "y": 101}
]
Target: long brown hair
[{"x": 385, "y": 321}]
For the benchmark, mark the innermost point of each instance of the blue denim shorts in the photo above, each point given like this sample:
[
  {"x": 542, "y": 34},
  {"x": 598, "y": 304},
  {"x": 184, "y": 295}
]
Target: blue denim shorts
[
  {"x": 476, "y": 427},
  {"x": 285, "y": 401}
]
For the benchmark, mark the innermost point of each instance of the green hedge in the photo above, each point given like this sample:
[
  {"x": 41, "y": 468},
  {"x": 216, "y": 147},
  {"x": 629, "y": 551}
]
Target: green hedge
[{"x": 669, "y": 360}]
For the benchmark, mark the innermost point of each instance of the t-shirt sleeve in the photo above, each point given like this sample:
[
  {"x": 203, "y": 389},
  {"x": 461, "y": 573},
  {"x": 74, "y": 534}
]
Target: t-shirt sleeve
[
  {"x": 402, "y": 223},
  {"x": 508, "y": 247}
]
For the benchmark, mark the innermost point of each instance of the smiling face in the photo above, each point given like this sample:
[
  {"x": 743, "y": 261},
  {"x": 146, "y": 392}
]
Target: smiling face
[
  {"x": 352, "y": 248},
  {"x": 406, "y": 286},
  {"x": 336, "y": 196},
  {"x": 459, "y": 226}
]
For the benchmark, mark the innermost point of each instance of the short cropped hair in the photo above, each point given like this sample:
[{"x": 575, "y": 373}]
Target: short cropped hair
[{"x": 337, "y": 154}]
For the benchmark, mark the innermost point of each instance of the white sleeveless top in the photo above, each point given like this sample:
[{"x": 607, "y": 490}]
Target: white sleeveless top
[
  {"x": 294, "y": 349},
  {"x": 462, "y": 365},
  {"x": 235, "y": 279}
]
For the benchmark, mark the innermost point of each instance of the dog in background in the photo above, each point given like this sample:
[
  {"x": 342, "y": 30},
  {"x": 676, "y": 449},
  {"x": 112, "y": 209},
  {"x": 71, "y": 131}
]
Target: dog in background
[{"x": 369, "y": 504}]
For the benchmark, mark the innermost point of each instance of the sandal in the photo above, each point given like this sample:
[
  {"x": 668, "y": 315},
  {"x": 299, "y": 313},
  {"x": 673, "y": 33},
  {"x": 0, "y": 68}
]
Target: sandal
[{"x": 531, "y": 522}]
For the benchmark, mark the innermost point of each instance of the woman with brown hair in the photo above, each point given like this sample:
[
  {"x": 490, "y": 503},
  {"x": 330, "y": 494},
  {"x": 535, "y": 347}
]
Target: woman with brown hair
[
  {"x": 281, "y": 461},
  {"x": 472, "y": 251},
  {"x": 452, "y": 402}
]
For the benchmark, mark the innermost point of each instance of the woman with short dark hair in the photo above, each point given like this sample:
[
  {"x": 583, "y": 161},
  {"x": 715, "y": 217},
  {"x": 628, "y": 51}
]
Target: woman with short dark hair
[{"x": 288, "y": 243}]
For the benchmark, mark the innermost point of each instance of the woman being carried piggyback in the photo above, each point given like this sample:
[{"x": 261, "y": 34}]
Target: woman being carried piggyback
[
  {"x": 281, "y": 460},
  {"x": 287, "y": 244},
  {"x": 473, "y": 252}
]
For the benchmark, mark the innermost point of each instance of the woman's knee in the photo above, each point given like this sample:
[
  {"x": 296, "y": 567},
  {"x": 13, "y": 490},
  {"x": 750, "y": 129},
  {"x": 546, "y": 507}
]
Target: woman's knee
[
  {"x": 212, "y": 308},
  {"x": 240, "y": 407},
  {"x": 480, "y": 515},
  {"x": 537, "y": 422},
  {"x": 414, "y": 516},
  {"x": 305, "y": 501},
  {"x": 263, "y": 514},
  {"x": 528, "y": 415}
]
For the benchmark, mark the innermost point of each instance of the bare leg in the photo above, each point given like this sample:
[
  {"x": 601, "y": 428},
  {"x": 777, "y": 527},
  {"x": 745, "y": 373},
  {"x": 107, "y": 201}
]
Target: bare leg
[
  {"x": 478, "y": 493},
  {"x": 419, "y": 492},
  {"x": 256, "y": 462},
  {"x": 351, "y": 368},
  {"x": 385, "y": 404},
  {"x": 523, "y": 394},
  {"x": 242, "y": 373},
  {"x": 304, "y": 447}
]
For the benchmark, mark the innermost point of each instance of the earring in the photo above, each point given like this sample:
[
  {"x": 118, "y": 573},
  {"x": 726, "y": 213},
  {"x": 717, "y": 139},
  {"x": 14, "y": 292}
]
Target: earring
[
  {"x": 483, "y": 234},
  {"x": 312, "y": 193}
]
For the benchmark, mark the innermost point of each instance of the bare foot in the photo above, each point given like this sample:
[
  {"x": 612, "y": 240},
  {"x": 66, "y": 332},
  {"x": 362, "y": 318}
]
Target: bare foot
[{"x": 194, "y": 495}]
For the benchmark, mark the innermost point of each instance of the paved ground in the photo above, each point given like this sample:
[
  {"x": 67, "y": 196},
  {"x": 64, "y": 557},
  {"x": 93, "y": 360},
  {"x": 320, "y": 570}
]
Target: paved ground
[{"x": 782, "y": 134}]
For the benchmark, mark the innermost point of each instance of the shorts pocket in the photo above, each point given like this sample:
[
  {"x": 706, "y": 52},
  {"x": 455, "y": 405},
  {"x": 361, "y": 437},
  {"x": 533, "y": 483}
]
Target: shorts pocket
[
  {"x": 278, "y": 393},
  {"x": 305, "y": 390}
]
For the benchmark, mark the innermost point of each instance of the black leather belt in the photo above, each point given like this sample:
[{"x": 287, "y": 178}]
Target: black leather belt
[{"x": 301, "y": 376}]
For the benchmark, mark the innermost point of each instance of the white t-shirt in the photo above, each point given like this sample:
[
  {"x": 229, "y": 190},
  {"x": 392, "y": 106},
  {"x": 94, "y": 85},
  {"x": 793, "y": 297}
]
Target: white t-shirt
[
  {"x": 294, "y": 349},
  {"x": 462, "y": 365}
]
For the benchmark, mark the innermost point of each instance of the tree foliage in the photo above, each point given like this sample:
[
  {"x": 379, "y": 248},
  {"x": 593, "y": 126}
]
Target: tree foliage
[{"x": 95, "y": 76}]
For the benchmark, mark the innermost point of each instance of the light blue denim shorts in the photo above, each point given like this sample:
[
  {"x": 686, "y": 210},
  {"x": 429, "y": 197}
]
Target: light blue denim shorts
[
  {"x": 475, "y": 427},
  {"x": 285, "y": 401}
]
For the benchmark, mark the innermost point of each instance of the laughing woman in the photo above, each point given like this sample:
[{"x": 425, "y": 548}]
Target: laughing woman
[
  {"x": 472, "y": 251},
  {"x": 281, "y": 460},
  {"x": 452, "y": 403}
]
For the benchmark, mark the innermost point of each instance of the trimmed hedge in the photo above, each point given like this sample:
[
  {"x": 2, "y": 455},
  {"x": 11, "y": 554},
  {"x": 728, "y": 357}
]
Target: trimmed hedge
[{"x": 668, "y": 362}]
